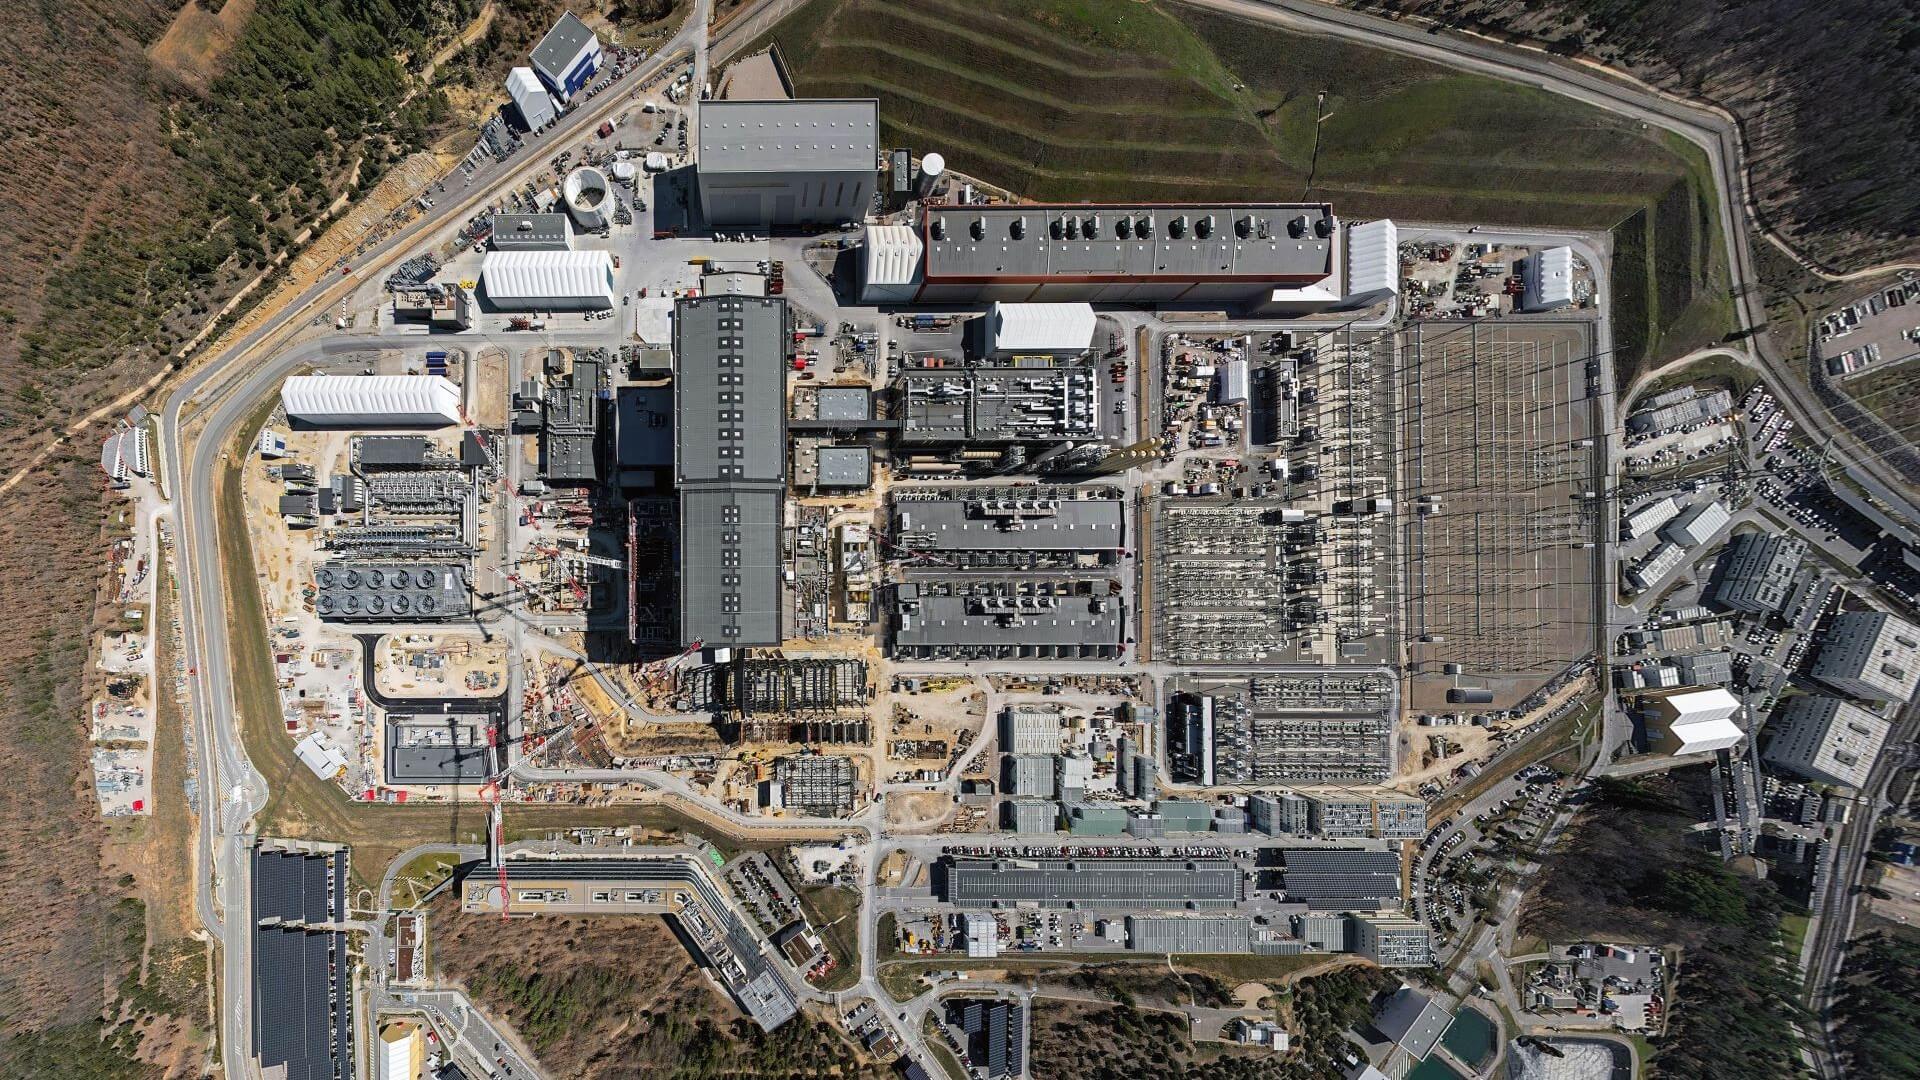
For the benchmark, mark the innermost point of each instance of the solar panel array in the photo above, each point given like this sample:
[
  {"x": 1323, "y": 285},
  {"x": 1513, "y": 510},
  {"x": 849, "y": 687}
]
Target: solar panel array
[
  {"x": 995, "y": 1032},
  {"x": 1334, "y": 879},
  {"x": 1054, "y": 882},
  {"x": 302, "y": 1015}
]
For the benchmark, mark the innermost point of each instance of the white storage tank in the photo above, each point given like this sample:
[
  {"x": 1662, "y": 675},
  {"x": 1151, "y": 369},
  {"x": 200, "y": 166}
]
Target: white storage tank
[
  {"x": 589, "y": 197},
  {"x": 932, "y": 168}
]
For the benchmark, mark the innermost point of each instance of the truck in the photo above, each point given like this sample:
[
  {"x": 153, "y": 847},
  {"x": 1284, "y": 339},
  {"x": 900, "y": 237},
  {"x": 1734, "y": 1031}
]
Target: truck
[{"x": 927, "y": 323}]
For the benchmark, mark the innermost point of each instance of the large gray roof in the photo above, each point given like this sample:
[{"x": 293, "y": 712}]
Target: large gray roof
[
  {"x": 1146, "y": 882},
  {"x": 1132, "y": 242},
  {"x": 1033, "y": 524},
  {"x": 561, "y": 45},
  {"x": 804, "y": 135},
  {"x": 730, "y": 565},
  {"x": 729, "y": 389},
  {"x": 961, "y": 621}
]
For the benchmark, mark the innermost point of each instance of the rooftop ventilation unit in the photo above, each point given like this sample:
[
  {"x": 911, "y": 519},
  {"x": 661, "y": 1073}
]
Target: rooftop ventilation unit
[
  {"x": 1017, "y": 228},
  {"x": 1297, "y": 228},
  {"x": 1323, "y": 226},
  {"x": 1177, "y": 226},
  {"x": 978, "y": 230},
  {"x": 939, "y": 228},
  {"x": 1203, "y": 228},
  {"x": 1143, "y": 227},
  {"x": 1091, "y": 227},
  {"x": 1243, "y": 227},
  {"x": 1058, "y": 228},
  {"x": 1123, "y": 229}
]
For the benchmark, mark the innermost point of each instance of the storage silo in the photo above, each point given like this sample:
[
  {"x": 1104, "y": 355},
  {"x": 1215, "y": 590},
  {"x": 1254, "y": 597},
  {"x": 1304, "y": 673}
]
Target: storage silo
[
  {"x": 589, "y": 197},
  {"x": 933, "y": 168}
]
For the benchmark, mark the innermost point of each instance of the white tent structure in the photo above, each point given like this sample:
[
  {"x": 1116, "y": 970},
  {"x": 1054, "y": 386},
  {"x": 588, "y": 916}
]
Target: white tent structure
[
  {"x": 892, "y": 264},
  {"x": 1036, "y": 329},
  {"x": 1696, "y": 721},
  {"x": 1547, "y": 280},
  {"x": 318, "y": 753},
  {"x": 371, "y": 401},
  {"x": 548, "y": 280},
  {"x": 530, "y": 97},
  {"x": 1373, "y": 263}
]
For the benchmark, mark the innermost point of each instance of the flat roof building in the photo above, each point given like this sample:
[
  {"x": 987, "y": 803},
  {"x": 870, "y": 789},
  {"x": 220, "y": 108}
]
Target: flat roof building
[
  {"x": 1190, "y": 935},
  {"x": 1086, "y": 883},
  {"x": 303, "y": 1013},
  {"x": 730, "y": 465},
  {"x": 1393, "y": 941},
  {"x": 1413, "y": 1021},
  {"x": 1871, "y": 655},
  {"x": 1697, "y": 523},
  {"x": 1694, "y": 721},
  {"x": 988, "y": 621},
  {"x": 810, "y": 161},
  {"x": 843, "y": 466},
  {"x": 1341, "y": 879},
  {"x": 1126, "y": 253},
  {"x": 993, "y": 527},
  {"x": 1826, "y": 739},
  {"x": 1755, "y": 573},
  {"x": 531, "y": 232},
  {"x": 993, "y": 404}
]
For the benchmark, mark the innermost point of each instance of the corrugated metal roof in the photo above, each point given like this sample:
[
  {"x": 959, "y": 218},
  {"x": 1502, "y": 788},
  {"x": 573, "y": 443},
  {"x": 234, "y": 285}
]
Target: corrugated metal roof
[
  {"x": 556, "y": 50},
  {"x": 893, "y": 254},
  {"x": 801, "y": 136},
  {"x": 1373, "y": 258},
  {"x": 1551, "y": 276},
  {"x": 548, "y": 275},
  {"x": 372, "y": 400},
  {"x": 1040, "y": 327}
]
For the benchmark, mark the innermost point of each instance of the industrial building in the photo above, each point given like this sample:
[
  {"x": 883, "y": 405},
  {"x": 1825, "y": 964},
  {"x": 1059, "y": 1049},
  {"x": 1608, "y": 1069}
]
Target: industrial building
[
  {"x": 570, "y": 427},
  {"x": 567, "y": 56},
  {"x": 302, "y": 985},
  {"x": 819, "y": 785},
  {"x": 1693, "y": 721},
  {"x": 991, "y": 404},
  {"x": 1412, "y": 1021},
  {"x": 890, "y": 265},
  {"x": 1871, "y": 655},
  {"x": 1826, "y": 739},
  {"x": 371, "y": 401},
  {"x": 1341, "y": 879},
  {"x": 1000, "y": 621},
  {"x": 1028, "y": 775},
  {"x": 589, "y": 198},
  {"x": 993, "y": 1033},
  {"x": 1250, "y": 254},
  {"x": 1224, "y": 739},
  {"x": 730, "y": 465},
  {"x": 1057, "y": 330},
  {"x": 1653, "y": 569},
  {"x": 548, "y": 280},
  {"x": 1679, "y": 408},
  {"x": 1697, "y": 524},
  {"x": 1373, "y": 264},
  {"x": 1393, "y": 941},
  {"x": 768, "y": 164},
  {"x": 437, "y": 749},
  {"x": 1029, "y": 729},
  {"x": 1162, "y": 883},
  {"x": 675, "y": 883},
  {"x": 530, "y": 99},
  {"x": 530, "y": 232},
  {"x": 443, "y": 306},
  {"x": 1547, "y": 280},
  {"x": 1283, "y": 812},
  {"x": 1339, "y": 816},
  {"x": 643, "y": 436},
  {"x": 390, "y": 592},
  {"x": 1755, "y": 573},
  {"x": 124, "y": 455},
  {"x": 1012, "y": 527},
  {"x": 1643, "y": 520},
  {"x": 1030, "y": 815},
  {"x": 843, "y": 467},
  {"x": 1189, "y": 935}
]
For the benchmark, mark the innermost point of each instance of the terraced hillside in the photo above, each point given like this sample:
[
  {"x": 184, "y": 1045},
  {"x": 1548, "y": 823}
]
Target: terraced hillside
[{"x": 1091, "y": 100}]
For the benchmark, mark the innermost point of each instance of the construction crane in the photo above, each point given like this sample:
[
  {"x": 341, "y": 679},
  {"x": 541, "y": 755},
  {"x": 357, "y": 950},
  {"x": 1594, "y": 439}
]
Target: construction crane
[
  {"x": 653, "y": 674},
  {"x": 490, "y": 793}
]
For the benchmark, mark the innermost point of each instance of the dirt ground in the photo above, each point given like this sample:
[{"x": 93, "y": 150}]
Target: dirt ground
[
  {"x": 918, "y": 810},
  {"x": 462, "y": 655},
  {"x": 195, "y": 42},
  {"x": 490, "y": 408}
]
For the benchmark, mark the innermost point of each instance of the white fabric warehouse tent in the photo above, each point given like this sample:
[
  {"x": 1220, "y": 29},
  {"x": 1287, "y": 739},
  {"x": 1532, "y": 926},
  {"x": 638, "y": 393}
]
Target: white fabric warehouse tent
[
  {"x": 371, "y": 400},
  {"x": 548, "y": 280},
  {"x": 1040, "y": 328}
]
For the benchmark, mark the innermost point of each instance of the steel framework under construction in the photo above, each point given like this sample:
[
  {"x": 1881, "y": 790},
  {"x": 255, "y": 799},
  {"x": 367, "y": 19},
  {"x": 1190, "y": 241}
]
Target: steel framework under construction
[{"x": 780, "y": 700}]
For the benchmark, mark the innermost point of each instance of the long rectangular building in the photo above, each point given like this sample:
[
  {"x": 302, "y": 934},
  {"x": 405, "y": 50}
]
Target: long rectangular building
[
  {"x": 1165, "y": 883},
  {"x": 1001, "y": 622},
  {"x": 730, "y": 465},
  {"x": 303, "y": 1021},
  {"x": 1334, "y": 879},
  {"x": 1010, "y": 527},
  {"x": 1128, "y": 253}
]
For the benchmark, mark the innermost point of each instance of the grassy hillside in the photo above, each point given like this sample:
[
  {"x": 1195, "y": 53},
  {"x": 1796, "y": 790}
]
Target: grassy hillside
[{"x": 1112, "y": 100}]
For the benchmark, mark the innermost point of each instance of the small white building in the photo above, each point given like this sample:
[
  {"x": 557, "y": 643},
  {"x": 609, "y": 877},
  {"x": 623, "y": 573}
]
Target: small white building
[
  {"x": 1547, "y": 280},
  {"x": 318, "y": 753},
  {"x": 1826, "y": 739},
  {"x": 548, "y": 280},
  {"x": 1232, "y": 385},
  {"x": 1694, "y": 721},
  {"x": 530, "y": 98},
  {"x": 983, "y": 935},
  {"x": 1040, "y": 329},
  {"x": 891, "y": 264},
  {"x": 371, "y": 401},
  {"x": 1373, "y": 263},
  {"x": 1645, "y": 519},
  {"x": 1697, "y": 523},
  {"x": 272, "y": 444}
]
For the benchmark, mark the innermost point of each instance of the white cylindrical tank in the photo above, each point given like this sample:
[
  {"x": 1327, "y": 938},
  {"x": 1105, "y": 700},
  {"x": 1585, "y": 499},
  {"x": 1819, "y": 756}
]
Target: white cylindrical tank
[
  {"x": 932, "y": 168},
  {"x": 589, "y": 197},
  {"x": 623, "y": 171}
]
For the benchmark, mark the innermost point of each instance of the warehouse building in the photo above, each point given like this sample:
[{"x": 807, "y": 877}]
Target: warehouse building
[
  {"x": 1057, "y": 330},
  {"x": 1341, "y": 879},
  {"x": 530, "y": 99},
  {"x": 370, "y": 401},
  {"x": 567, "y": 57},
  {"x": 890, "y": 265},
  {"x": 991, "y": 404},
  {"x": 1682, "y": 407},
  {"x": 1697, "y": 523},
  {"x": 1693, "y": 721},
  {"x": 1250, "y": 254},
  {"x": 999, "y": 621},
  {"x": 1088, "y": 883},
  {"x": 1826, "y": 739},
  {"x": 1373, "y": 264},
  {"x": 1029, "y": 729},
  {"x": 1547, "y": 280},
  {"x": 1028, "y": 775},
  {"x": 1645, "y": 519},
  {"x": 1755, "y": 573},
  {"x": 1011, "y": 527},
  {"x": 1190, "y": 935},
  {"x": 1871, "y": 655},
  {"x": 531, "y": 232},
  {"x": 767, "y": 164},
  {"x": 727, "y": 355},
  {"x": 1393, "y": 941},
  {"x": 548, "y": 280},
  {"x": 1030, "y": 816},
  {"x": 302, "y": 986}
]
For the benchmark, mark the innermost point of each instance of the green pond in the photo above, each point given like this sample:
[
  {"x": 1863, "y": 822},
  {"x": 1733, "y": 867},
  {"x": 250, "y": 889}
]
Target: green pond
[
  {"x": 1470, "y": 1037},
  {"x": 1433, "y": 1069}
]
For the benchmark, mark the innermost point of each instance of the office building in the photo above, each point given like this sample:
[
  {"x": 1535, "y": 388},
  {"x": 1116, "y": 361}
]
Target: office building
[
  {"x": 1826, "y": 739},
  {"x": 1393, "y": 941},
  {"x": 1755, "y": 573},
  {"x": 1871, "y": 655},
  {"x": 730, "y": 466},
  {"x": 768, "y": 164},
  {"x": 993, "y": 1033}
]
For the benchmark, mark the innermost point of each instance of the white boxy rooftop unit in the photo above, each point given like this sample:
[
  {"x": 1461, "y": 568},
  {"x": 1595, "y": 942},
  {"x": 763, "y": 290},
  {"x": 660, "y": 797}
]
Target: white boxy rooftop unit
[
  {"x": 530, "y": 97},
  {"x": 371, "y": 401},
  {"x": 548, "y": 280},
  {"x": 1033, "y": 329},
  {"x": 892, "y": 264}
]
